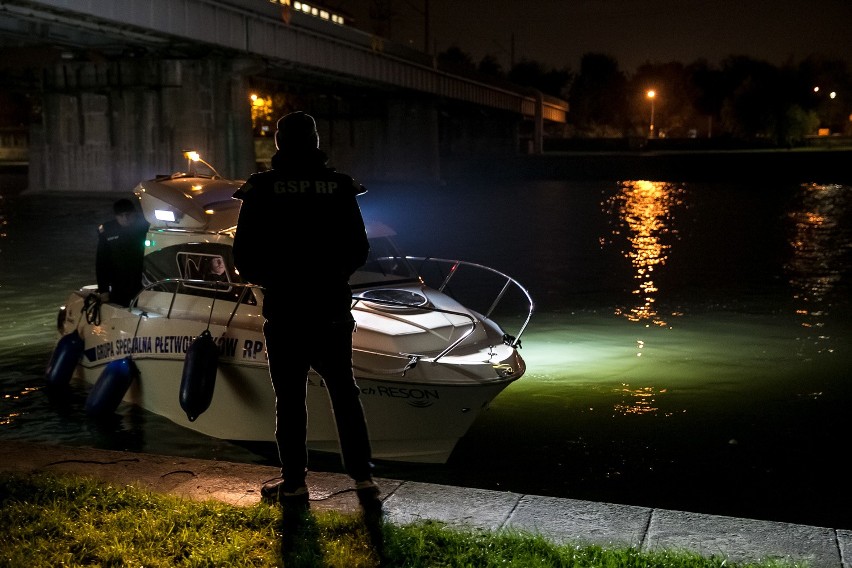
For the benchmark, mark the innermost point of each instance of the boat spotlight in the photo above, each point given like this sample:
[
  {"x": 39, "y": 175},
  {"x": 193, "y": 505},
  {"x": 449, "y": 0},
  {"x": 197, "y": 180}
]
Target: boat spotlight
[{"x": 164, "y": 215}]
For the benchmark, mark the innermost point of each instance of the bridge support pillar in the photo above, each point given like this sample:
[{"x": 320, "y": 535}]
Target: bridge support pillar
[
  {"x": 107, "y": 125},
  {"x": 412, "y": 150},
  {"x": 395, "y": 140}
]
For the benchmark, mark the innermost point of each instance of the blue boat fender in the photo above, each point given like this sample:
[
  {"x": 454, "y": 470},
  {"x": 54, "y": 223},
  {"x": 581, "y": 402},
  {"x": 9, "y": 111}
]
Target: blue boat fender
[
  {"x": 66, "y": 355},
  {"x": 110, "y": 388},
  {"x": 199, "y": 375}
]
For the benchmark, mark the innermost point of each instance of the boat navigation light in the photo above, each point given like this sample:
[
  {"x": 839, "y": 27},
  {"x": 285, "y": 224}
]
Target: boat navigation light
[
  {"x": 193, "y": 156},
  {"x": 164, "y": 215}
]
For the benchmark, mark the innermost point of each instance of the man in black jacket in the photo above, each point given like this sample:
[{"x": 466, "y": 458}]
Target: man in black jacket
[
  {"x": 300, "y": 236},
  {"x": 121, "y": 247}
]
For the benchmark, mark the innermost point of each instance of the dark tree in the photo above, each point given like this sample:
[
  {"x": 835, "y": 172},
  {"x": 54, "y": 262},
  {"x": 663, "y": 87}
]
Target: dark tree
[
  {"x": 491, "y": 67},
  {"x": 707, "y": 94},
  {"x": 530, "y": 73},
  {"x": 597, "y": 97},
  {"x": 676, "y": 116},
  {"x": 456, "y": 60},
  {"x": 825, "y": 87}
]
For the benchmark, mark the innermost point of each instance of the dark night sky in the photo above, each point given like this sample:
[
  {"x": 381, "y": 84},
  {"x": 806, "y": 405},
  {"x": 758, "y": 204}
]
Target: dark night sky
[{"x": 557, "y": 33}]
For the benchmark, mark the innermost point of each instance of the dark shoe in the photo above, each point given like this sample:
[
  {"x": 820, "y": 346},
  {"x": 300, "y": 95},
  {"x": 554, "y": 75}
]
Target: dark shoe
[
  {"x": 368, "y": 495},
  {"x": 279, "y": 491}
]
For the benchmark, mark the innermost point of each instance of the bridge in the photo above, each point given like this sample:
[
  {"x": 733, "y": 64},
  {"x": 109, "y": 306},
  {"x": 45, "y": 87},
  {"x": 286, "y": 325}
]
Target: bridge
[{"x": 125, "y": 85}]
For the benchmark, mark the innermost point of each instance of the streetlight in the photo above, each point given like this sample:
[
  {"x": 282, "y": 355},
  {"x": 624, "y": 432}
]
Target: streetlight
[{"x": 651, "y": 94}]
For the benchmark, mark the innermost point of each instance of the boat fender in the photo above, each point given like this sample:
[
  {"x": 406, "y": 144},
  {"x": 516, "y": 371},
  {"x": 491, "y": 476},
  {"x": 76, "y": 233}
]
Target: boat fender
[
  {"x": 66, "y": 355},
  {"x": 199, "y": 375},
  {"x": 108, "y": 391}
]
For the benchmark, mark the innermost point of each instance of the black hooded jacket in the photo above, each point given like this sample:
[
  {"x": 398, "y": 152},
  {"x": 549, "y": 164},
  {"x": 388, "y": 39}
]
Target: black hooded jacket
[
  {"x": 301, "y": 235},
  {"x": 118, "y": 262}
]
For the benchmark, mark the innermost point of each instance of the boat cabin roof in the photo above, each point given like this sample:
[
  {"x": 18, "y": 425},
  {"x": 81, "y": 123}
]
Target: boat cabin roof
[
  {"x": 190, "y": 202},
  {"x": 196, "y": 203}
]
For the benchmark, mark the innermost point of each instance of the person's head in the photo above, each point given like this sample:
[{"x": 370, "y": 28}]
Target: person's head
[
  {"x": 216, "y": 265},
  {"x": 296, "y": 132},
  {"x": 124, "y": 212}
]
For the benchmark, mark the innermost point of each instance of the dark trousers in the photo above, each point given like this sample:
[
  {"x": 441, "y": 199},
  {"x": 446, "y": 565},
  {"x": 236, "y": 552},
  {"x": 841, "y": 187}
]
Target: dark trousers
[{"x": 327, "y": 347}]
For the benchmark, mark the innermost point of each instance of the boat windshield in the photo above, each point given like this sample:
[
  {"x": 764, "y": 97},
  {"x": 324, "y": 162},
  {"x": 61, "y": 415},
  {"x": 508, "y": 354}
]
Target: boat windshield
[
  {"x": 385, "y": 265},
  {"x": 206, "y": 269}
]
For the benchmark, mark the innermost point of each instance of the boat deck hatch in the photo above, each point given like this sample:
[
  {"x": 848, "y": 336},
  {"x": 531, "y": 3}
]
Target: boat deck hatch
[{"x": 392, "y": 298}]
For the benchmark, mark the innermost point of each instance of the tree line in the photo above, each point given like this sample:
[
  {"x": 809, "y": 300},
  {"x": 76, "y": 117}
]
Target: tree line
[{"x": 742, "y": 98}]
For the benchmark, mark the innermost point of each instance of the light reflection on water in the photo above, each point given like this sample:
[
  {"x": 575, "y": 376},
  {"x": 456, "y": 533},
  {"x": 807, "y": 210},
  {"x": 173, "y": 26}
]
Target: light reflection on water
[
  {"x": 644, "y": 211},
  {"x": 691, "y": 348},
  {"x": 820, "y": 258},
  {"x": 641, "y": 400}
]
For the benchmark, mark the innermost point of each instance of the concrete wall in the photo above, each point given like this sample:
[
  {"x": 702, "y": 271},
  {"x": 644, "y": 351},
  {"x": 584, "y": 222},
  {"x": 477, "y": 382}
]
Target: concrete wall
[
  {"x": 398, "y": 143},
  {"x": 107, "y": 125}
]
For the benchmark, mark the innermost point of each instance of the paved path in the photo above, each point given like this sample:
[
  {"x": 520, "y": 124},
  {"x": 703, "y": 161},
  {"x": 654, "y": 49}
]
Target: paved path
[{"x": 560, "y": 520}]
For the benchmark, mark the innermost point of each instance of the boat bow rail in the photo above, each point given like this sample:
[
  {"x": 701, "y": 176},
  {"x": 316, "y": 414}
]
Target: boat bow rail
[
  {"x": 501, "y": 287},
  {"x": 488, "y": 293}
]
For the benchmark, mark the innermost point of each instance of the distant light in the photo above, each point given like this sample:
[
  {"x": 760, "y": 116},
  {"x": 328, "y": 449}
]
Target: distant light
[
  {"x": 652, "y": 94},
  {"x": 832, "y": 95},
  {"x": 163, "y": 215}
]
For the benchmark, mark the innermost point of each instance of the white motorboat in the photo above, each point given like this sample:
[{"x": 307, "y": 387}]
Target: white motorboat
[{"x": 427, "y": 362}]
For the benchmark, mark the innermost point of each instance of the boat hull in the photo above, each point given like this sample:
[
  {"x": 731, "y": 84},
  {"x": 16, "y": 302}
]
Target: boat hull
[
  {"x": 415, "y": 415},
  {"x": 407, "y": 421}
]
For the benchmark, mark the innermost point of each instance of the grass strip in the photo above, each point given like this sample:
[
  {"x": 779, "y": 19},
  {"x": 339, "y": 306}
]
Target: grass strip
[{"x": 74, "y": 521}]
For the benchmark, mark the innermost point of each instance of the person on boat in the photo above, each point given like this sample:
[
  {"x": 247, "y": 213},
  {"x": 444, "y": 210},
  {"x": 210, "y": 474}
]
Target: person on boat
[
  {"x": 121, "y": 247},
  {"x": 214, "y": 270},
  {"x": 306, "y": 214}
]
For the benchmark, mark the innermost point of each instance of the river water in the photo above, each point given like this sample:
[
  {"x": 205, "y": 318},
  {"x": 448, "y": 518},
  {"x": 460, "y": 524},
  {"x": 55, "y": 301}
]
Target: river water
[{"x": 690, "y": 349}]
